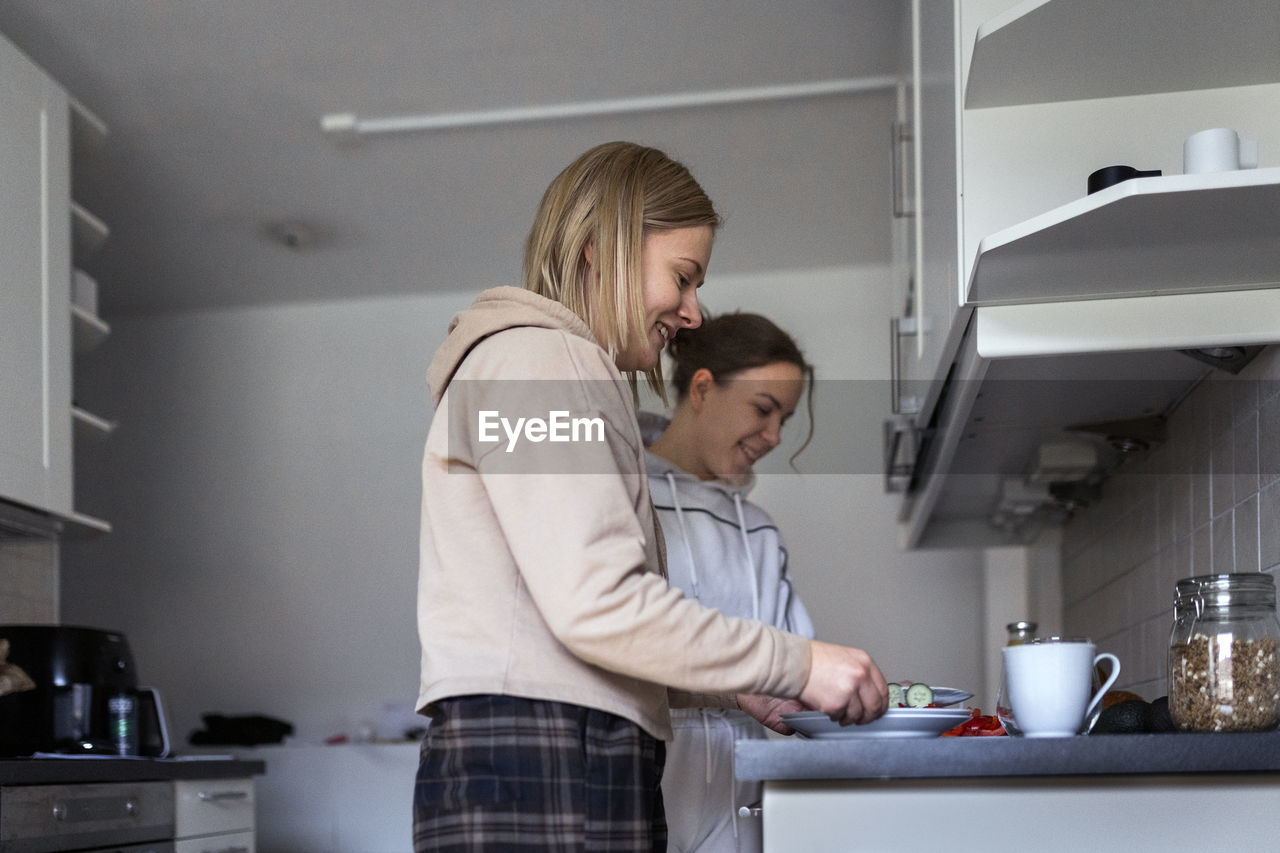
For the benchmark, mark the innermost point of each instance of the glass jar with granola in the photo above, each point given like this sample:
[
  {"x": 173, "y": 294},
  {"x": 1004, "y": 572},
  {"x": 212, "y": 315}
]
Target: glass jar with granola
[{"x": 1224, "y": 654}]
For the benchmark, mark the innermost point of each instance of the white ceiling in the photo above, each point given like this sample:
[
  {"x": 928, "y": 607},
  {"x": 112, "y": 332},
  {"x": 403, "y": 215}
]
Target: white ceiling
[{"x": 214, "y": 111}]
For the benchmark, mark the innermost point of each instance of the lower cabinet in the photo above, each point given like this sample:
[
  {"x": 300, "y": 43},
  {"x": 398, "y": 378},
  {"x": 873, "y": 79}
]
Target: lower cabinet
[
  {"x": 352, "y": 798},
  {"x": 133, "y": 816},
  {"x": 233, "y": 842},
  {"x": 180, "y": 816},
  {"x": 213, "y": 816}
]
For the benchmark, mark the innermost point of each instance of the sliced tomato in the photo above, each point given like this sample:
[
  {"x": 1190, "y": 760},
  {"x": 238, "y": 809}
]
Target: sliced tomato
[{"x": 978, "y": 725}]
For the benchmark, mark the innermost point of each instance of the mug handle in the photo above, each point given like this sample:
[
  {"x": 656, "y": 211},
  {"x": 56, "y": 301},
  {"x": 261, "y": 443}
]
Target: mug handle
[{"x": 1106, "y": 685}]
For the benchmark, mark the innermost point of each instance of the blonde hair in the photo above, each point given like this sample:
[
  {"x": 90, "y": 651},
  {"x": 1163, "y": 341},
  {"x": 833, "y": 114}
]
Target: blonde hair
[{"x": 605, "y": 202}]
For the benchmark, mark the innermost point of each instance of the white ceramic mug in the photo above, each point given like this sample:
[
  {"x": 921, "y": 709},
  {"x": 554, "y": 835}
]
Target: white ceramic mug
[
  {"x": 1050, "y": 681},
  {"x": 1219, "y": 149}
]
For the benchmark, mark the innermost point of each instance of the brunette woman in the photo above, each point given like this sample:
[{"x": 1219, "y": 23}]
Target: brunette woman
[{"x": 738, "y": 379}]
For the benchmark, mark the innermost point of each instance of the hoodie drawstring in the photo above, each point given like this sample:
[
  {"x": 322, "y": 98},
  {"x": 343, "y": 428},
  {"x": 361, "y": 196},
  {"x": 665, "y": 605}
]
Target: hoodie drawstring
[
  {"x": 755, "y": 614},
  {"x": 709, "y": 717},
  {"x": 684, "y": 533},
  {"x": 751, "y": 563}
]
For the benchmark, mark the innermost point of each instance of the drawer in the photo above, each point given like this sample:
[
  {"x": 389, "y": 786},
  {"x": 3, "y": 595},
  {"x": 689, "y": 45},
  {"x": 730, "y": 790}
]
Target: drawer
[
  {"x": 43, "y": 818},
  {"x": 232, "y": 842},
  {"x": 208, "y": 806}
]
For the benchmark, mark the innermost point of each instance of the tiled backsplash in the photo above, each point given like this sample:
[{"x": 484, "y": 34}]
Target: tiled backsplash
[
  {"x": 1205, "y": 501},
  {"x": 28, "y": 581}
]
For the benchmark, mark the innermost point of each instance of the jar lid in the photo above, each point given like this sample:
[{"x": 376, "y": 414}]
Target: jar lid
[
  {"x": 1228, "y": 588},
  {"x": 1235, "y": 580}
]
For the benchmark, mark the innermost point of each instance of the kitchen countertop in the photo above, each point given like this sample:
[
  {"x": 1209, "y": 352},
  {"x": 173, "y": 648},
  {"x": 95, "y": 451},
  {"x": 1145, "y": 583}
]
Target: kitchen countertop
[
  {"x": 796, "y": 758},
  {"x": 55, "y": 771}
]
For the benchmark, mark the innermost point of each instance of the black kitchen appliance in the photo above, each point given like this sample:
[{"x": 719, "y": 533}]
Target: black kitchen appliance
[{"x": 86, "y": 698}]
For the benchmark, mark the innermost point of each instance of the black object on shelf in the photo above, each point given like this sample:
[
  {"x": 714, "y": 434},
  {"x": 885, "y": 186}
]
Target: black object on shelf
[{"x": 1109, "y": 176}]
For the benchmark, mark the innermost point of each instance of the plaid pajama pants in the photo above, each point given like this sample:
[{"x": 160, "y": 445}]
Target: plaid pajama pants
[{"x": 510, "y": 774}]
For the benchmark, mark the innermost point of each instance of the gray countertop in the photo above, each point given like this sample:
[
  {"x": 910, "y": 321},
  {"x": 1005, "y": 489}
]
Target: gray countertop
[
  {"x": 796, "y": 758},
  {"x": 57, "y": 771}
]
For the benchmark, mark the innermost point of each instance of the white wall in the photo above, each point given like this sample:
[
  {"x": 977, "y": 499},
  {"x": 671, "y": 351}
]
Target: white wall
[
  {"x": 28, "y": 581},
  {"x": 264, "y": 489},
  {"x": 1206, "y": 501}
]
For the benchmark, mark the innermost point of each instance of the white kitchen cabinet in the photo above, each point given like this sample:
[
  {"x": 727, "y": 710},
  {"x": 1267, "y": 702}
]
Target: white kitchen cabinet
[
  {"x": 927, "y": 334},
  {"x": 1118, "y": 814},
  {"x": 214, "y": 815},
  {"x": 39, "y": 327},
  {"x": 1107, "y": 286},
  {"x": 336, "y": 799},
  {"x": 35, "y": 281}
]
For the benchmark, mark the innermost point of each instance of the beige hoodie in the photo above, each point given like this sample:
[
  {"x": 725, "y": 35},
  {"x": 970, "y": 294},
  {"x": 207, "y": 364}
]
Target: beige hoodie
[{"x": 541, "y": 570}]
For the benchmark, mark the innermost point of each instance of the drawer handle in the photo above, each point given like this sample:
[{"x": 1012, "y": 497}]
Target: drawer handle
[
  {"x": 221, "y": 796},
  {"x": 80, "y": 809}
]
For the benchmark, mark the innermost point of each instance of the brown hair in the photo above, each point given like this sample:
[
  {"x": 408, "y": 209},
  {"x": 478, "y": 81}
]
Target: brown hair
[
  {"x": 608, "y": 199},
  {"x": 731, "y": 343}
]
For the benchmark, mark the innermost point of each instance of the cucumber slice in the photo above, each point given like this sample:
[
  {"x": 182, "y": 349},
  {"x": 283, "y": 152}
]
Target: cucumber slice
[
  {"x": 896, "y": 699},
  {"x": 919, "y": 695}
]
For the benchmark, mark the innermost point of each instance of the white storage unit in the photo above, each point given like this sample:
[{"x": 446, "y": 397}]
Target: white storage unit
[
  {"x": 35, "y": 281},
  {"x": 214, "y": 815},
  {"x": 45, "y": 234},
  {"x": 1019, "y": 275},
  {"x": 336, "y": 799}
]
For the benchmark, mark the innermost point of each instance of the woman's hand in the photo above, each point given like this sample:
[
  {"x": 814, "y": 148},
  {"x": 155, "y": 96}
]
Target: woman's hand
[
  {"x": 845, "y": 684},
  {"x": 768, "y": 710}
]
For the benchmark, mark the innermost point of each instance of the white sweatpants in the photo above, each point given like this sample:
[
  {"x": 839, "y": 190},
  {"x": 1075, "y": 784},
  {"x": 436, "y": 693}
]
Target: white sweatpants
[{"x": 699, "y": 791}]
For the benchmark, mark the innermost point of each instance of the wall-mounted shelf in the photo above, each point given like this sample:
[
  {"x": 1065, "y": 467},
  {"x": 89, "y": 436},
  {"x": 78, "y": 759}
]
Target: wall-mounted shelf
[
  {"x": 88, "y": 232},
  {"x": 18, "y": 521},
  {"x": 88, "y": 132},
  {"x": 87, "y": 330},
  {"x": 1043, "y": 51},
  {"x": 81, "y": 526},
  {"x": 1145, "y": 236},
  {"x": 89, "y": 426}
]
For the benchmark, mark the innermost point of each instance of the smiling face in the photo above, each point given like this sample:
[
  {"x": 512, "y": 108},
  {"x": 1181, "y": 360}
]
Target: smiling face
[
  {"x": 739, "y": 419},
  {"x": 674, "y": 264}
]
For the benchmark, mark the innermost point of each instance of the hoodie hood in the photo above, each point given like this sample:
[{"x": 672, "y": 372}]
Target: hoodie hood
[
  {"x": 496, "y": 310},
  {"x": 652, "y": 426}
]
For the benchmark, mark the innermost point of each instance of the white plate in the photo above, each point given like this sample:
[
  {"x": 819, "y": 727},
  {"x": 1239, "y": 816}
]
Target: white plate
[{"x": 896, "y": 723}]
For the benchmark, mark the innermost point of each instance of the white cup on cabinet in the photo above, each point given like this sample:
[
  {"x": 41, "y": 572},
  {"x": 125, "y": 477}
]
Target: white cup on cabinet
[
  {"x": 1219, "y": 149},
  {"x": 1050, "y": 682}
]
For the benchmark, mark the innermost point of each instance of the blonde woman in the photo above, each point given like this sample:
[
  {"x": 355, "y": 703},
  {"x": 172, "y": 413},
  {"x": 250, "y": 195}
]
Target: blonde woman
[{"x": 552, "y": 645}]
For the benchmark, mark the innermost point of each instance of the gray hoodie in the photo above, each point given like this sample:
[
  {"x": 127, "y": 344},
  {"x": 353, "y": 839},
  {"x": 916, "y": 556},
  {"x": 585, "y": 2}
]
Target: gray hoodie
[
  {"x": 541, "y": 572},
  {"x": 722, "y": 549}
]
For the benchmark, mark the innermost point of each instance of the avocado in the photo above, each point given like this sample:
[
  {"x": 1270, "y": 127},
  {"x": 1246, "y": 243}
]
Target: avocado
[
  {"x": 1161, "y": 719},
  {"x": 1132, "y": 716}
]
